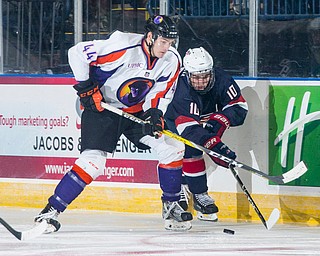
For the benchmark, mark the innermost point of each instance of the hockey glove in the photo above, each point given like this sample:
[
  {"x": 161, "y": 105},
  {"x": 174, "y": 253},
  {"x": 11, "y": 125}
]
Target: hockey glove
[
  {"x": 217, "y": 124},
  {"x": 90, "y": 95},
  {"x": 218, "y": 146},
  {"x": 156, "y": 122}
]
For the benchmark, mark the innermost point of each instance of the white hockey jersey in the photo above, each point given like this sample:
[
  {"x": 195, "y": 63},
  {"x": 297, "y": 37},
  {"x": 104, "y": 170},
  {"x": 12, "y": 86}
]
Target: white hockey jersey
[{"x": 130, "y": 79}]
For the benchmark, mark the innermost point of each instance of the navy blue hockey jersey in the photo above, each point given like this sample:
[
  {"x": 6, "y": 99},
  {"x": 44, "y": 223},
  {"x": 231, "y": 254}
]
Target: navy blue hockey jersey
[{"x": 188, "y": 109}]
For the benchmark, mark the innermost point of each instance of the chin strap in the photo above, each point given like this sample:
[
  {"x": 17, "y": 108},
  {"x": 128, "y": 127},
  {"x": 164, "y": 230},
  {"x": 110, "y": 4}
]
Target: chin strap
[{"x": 150, "y": 47}]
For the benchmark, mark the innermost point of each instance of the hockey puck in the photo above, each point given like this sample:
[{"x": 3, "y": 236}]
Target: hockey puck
[{"x": 228, "y": 231}]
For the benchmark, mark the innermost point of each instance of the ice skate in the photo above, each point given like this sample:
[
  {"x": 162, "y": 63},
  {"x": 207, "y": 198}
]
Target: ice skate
[
  {"x": 175, "y": 217},
  {"x": 50, "y": 215},
  {"x": 205, "y": 207},
  {"x": 184, "y": 197}
]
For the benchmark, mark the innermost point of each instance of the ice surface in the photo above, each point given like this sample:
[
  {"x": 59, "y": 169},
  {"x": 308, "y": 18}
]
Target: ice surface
[{"x": 109, "y": 233}]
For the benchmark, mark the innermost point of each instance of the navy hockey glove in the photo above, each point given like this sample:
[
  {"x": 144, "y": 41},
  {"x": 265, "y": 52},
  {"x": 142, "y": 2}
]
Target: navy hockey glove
[
  {"x": 156, "y": 122},
  {"x": 218, "y": 146},
  {"x": 217, "y": 124},
  {"x": 90, "y": 95}
]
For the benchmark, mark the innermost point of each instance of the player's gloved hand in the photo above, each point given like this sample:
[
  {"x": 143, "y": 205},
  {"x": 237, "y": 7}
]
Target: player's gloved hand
[
  {"x": 217, "y": 124},
  {"x": 90, "y": 95},
  {"x": 215, "y": 144},
  {"x": 156, "y": 122}
]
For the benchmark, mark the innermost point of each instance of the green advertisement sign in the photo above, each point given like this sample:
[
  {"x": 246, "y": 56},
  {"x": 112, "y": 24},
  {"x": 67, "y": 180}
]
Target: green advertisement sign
[{"x": 294, "y": 131}]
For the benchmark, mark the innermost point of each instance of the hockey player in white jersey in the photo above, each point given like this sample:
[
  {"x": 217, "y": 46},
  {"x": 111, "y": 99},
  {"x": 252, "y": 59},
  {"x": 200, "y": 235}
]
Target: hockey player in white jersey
[
  {"x": 135, "y": 73},
  {"x": 206, "y": 103}
]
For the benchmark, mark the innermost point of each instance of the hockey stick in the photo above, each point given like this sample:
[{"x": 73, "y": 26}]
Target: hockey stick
[
  {"x": 33, "y": 232},
  {"x": 291, "y": 175},
  {"x": 275, "y": 215}
]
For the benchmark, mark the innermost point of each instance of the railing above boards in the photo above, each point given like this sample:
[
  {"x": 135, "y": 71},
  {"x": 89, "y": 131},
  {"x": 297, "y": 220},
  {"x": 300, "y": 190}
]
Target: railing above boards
[{"x": 268, "y": 9}]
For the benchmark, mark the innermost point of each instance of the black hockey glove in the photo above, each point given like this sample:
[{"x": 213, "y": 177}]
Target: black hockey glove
[
  {"x": 218, "y": 146},
  {"x": 217, "y": 124},
  {"x": 156, "y": 122},
  {"x": 90, "y": 95}
]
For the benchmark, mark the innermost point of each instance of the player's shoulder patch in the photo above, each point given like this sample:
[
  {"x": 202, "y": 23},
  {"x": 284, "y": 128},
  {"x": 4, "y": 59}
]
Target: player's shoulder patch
[
  {"x": 172, "y": 56},
  {"x": 125, "y": 38}
]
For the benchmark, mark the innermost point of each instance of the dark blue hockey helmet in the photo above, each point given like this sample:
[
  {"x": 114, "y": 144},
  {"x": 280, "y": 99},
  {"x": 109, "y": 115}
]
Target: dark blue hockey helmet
[{"x": 161, "y": 25}]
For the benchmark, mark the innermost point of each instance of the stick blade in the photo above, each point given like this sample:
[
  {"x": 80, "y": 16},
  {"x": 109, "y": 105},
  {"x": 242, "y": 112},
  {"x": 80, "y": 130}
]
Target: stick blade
[
  {"x": 274, "y": 217},
  {"x": 295, "y": 172},
  {"x": 33, "y": 232}
]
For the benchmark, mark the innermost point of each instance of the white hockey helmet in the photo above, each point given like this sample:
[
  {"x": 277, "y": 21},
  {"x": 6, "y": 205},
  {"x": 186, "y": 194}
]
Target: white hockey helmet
[{"x": 199, "y": 66}]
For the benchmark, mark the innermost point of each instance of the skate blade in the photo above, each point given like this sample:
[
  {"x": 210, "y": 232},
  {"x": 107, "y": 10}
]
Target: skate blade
[
  {"x": 174, "y": 225},
  {"x": 207, "y": 217},
  {"x": 50, "y": 229}
]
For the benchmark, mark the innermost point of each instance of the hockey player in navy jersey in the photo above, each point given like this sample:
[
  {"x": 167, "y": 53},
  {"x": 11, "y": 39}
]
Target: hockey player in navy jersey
[
  {"x": 135, "y": 73},
  {"x": 207, "y": 101}
]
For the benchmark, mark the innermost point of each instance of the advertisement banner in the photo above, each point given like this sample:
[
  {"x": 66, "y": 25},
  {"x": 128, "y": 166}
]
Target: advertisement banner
[
  {"x": 40, "y": 126},
  {"x": 294, "y": 131}
]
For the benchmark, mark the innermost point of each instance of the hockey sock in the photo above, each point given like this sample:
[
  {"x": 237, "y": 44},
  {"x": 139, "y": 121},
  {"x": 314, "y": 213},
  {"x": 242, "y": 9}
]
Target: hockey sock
[
  {"x": 170, "y": 183},
  {"x": 197, "y": 185},
  {"x": 184, "y": 180},
  {"x": 195, "y": 175},
  {"x": 70, "y": 186}
]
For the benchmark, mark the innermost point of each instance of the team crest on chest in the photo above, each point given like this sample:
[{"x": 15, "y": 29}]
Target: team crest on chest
[{"x": 133, "y": 91}]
